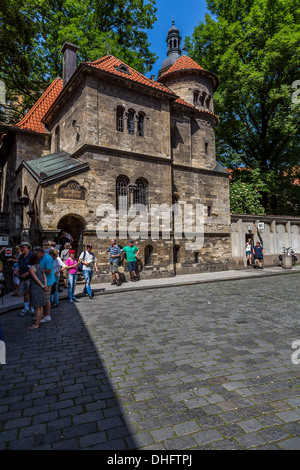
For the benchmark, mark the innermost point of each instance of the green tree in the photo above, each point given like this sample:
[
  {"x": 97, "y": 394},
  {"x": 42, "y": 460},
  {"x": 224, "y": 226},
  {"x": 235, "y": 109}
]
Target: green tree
[
  {"x": 32, "y": 33},
  {"x": 253, "y": 46}
]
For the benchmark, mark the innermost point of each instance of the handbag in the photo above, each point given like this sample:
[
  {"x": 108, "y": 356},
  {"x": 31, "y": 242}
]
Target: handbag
[
  {"x": 53, "y": 288},
  {"x": 80, "y": 267}
]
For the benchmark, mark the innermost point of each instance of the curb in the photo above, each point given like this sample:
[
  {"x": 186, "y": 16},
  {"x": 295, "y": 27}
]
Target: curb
[{"x": 64, "y": 297}]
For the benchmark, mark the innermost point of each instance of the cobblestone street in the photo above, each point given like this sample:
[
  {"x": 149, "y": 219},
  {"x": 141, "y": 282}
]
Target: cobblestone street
[{"x": 193, "y": 367}]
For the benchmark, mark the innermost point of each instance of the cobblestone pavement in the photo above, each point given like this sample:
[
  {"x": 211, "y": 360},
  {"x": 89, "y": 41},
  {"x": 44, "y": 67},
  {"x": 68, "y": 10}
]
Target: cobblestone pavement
[{"x": 194, "y": 367}]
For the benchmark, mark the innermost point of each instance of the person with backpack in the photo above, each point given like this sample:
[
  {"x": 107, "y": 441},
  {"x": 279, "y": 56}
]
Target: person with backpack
[{"x": 88, "y": 260}]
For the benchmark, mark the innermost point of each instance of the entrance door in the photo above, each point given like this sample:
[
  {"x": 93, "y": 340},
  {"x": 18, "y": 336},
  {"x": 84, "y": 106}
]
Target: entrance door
[{"x": 74, "y": 225}]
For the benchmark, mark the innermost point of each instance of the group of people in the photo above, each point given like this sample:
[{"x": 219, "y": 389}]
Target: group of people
[
  {"x": 257, "y": 251},
  {"x": 37, "y": 274}
]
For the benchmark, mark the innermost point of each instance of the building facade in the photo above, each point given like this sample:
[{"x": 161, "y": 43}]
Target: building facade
[{"x": 107, "y": 136}]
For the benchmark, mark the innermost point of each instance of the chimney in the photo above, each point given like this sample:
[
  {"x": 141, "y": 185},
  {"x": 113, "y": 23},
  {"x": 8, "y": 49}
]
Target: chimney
[{"x": 69, "y": 60}]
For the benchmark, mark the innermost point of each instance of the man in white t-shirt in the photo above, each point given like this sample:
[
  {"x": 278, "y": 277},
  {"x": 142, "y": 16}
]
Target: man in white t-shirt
[{"x": 88, "y": 264}]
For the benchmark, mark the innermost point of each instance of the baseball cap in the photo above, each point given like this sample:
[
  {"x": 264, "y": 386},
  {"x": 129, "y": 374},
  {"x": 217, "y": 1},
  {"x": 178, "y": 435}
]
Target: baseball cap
[
  {"x": 130, "y": 241},
  {"x": 72, "y": 251},
  {"x": 38, "y": 249},
  {"x": 89, "y": 244}
]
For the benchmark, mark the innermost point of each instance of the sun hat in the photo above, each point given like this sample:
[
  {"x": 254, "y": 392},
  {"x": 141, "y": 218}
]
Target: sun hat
[{"x": 25, "y": 244}]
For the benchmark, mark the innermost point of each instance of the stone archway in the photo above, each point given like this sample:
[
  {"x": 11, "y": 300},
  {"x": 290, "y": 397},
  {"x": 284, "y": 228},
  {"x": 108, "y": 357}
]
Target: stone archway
[{"x": 74, "y": 224}]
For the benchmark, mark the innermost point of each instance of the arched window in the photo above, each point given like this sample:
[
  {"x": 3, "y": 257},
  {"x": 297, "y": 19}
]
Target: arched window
[
  {"x": 196, "y": 98},
  {"x": 208, "y": 99},
  {"x": 141, "y": 120},
  {"x": 149, "y": 255},
  {"x": 130, "y": 122},
  {"x": 202, "y": 99},
  {"x": 120, "y": 119},
  {"x": 57, "y": 139},
  {"x": 122, "y": 193},
  {"x": 141, "y": 192}
]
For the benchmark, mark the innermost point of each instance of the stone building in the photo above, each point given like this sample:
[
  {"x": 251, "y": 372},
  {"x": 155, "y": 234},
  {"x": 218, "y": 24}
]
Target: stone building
[{"x": 106, "y": 134}]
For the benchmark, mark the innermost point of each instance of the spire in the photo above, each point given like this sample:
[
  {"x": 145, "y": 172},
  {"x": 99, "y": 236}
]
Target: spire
[
  {"x": 174, "y": 48},
  {"x": 174, "y": 40}
]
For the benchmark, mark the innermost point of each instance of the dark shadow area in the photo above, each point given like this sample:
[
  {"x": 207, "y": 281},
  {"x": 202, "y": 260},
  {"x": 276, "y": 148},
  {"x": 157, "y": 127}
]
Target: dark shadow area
[{"x": 55, "y": 392}]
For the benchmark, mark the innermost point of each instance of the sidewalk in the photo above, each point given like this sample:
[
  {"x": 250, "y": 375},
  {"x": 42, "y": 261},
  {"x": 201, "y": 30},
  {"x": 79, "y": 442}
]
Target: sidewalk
[{"x": 9, "y": 303}]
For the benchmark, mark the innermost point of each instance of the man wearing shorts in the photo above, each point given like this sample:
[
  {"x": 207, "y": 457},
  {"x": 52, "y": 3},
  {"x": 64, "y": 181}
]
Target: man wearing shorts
[
  {"x": 114, "y": 257},
  {"x": 24, "y": 275},
  {"x": 46, "y": 261},
  {"x": 131, "y": 254}
]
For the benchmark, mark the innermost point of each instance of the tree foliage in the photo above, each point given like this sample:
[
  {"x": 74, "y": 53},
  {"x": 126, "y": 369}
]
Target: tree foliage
[
  {"x": 253, "y": 46},
  {"x": 32, "y": 33}
]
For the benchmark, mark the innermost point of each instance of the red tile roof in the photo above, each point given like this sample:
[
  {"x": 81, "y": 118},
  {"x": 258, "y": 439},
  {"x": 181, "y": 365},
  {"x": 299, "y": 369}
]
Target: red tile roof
[
  {"x": 184, "y": 103},
  {"x": 206, "y": 111},
  {"x": 183, "y": 63},
  {"x": 33, "y": 120},
  {"x": 112, "y": 65}
]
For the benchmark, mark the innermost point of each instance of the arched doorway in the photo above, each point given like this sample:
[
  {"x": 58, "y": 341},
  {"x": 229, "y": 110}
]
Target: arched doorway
[{"x": 74, "y": 225}]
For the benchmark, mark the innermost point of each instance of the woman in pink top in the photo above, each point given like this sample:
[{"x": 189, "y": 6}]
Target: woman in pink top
[{"x": 72, "y": 267}]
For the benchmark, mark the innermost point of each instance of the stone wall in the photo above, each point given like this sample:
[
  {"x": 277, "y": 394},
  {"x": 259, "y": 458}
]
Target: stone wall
[{"x": 278, "y": 232}]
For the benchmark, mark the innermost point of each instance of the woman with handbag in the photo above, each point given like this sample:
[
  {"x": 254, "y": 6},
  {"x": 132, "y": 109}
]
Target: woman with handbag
[
  {"x": 58, "y": 266},
  {"x": 38, "y": 288}
]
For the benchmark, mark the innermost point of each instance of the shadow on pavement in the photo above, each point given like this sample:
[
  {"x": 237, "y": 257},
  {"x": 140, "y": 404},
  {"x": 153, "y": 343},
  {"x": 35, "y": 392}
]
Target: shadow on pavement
[{"x": 54, "y": 390}]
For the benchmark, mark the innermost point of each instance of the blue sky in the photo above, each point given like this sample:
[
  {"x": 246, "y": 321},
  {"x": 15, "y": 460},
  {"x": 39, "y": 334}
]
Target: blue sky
[{"x": 187, "y": 14}]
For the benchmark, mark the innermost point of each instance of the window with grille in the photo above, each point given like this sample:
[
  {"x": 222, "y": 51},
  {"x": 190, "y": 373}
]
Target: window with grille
[
  {"x": 130, "y": 122},
  {"x": 149, "y": 255},
  {"x": 141, "y": 125},
  {"x": 57, "y": 139},
  {"x": 141, "y": 192},
  {"x": 120, "y": 119},
  {"x": 122, "y": 193}
]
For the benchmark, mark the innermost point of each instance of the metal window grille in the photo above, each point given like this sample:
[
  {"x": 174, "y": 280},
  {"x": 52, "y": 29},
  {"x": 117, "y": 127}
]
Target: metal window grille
[
  {"x": 141, "y": 192},
  {"x": 141, "y": 125},
  {"x": 130, "y": 122},
  {"x": 122, "y": 194},
  {"x": 120, "y": 120}
]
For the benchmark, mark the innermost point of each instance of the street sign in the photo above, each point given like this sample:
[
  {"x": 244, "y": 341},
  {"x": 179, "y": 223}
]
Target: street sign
[
  {"x": 8, "y": 252},
  {"x": 260, "y": 226},
  {"x": 4, "y": 241}
]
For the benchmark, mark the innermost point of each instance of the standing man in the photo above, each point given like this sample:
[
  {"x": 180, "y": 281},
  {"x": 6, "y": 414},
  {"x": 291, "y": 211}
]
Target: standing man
[
  {"x": 114, "y": 257},
  {"x": 131, "y": 253},
  {"x": 23, "y": 262},
  {"x": 46, "y": 261},
  {"x": 89, "y": 263}
]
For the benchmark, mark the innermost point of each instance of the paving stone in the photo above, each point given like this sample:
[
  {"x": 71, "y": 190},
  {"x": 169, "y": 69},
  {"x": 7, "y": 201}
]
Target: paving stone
[
  {"x": 195, "y": 372},
  {"x": 206, "y": 437},
  {"x": 290, "y": 444},
  {"x": 250, "y": 425},
  {"x": 247, "y": 441},
  {"x": 273, "y": 434}
]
